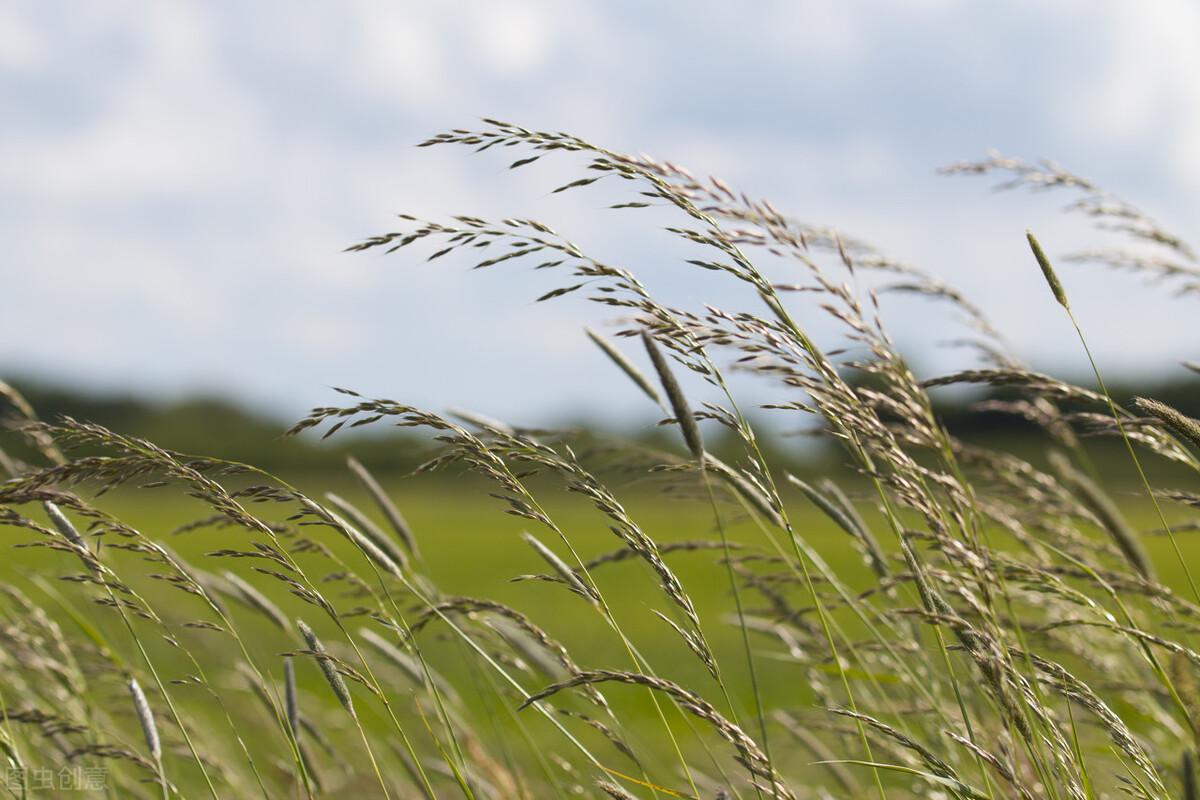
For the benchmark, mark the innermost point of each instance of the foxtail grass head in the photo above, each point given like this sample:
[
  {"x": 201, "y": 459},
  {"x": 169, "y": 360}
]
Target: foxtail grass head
[
  {"x": 1180, "y": 424},
  {"x": 1047, "y": 270}
]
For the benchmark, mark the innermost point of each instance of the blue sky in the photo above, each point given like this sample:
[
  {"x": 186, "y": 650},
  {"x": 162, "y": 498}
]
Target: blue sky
[{"x": 177, "y": 180}]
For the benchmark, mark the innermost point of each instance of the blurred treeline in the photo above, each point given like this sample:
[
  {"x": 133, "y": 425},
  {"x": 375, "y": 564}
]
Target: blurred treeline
[{"x": 219, "y": 427}]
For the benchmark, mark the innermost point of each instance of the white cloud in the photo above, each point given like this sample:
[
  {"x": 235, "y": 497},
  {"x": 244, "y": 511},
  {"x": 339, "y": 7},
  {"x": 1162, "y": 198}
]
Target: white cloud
[
  {"x": 1143, "y": 91},
  {"x": 515, "y": 38},
  {"x": 397, "y": 54},
  {"x": 22, "y": 47}
]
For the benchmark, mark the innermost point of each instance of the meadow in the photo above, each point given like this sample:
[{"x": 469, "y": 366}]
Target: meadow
[{"x": 535, "y": 614}]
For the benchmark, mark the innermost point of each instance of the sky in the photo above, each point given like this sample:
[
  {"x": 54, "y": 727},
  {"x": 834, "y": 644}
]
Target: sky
[{"x": 178, "y": 180}]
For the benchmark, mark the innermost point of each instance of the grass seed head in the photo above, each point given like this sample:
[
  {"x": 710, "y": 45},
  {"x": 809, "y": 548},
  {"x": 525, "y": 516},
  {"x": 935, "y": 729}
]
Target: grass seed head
[
  {"x": 146, "y": 718},
  {"x": 289, "y": 695},
  {"x": 625, "y": 365},
  {"x": 679, "y": 405},
  {"x": 1048, "y": 271},
  {"x": 1183, "y": 425},
  {"x": 328, "y": 668}
]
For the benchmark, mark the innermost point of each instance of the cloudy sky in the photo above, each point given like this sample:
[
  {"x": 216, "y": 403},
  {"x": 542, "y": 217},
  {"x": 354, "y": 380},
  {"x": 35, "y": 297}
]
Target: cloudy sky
[{"x": 178, "y": 179}]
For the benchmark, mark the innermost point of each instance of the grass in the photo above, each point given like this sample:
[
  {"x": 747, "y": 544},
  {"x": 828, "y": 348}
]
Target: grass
[{"x": 938, "y": 618}]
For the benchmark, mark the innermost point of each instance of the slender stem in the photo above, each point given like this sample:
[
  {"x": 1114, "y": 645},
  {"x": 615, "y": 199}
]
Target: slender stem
[{"x": 1137, "y": 463}]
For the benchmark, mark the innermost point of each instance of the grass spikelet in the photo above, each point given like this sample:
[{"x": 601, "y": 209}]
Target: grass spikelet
[
  {"x": 411, "y": 666},
  {"x": 328, "y": 668},
  {"x": 360, "y": 540},
  {"x": 69, "y": 532},
  {"x": 874, "y": 551},
  {"x": 614, "y": 791},
  {"x": 564, "y": 572},
  {"x": 63, "y": 525},
  {"x": 625, "y": 365},
  {"x": 149, "y": 730},
  {"x": 744, "y": 488},
  {"x": 481, "y": 421},
  {"x": 368, "y": 528},
  {"x": 842, "y": 518},
  {"x": 617, "y": 742},
  {"x": 291, "y": 701},
  {"x": 1048, "y": 271},
  {"x": 679, "y": 406},
  {"x": 694, "y": 643},
  {"x": 255, "y": 599},
  {"x": 146, "y": 718},
  {"x": 393, "y": 515},
  {"x": 1183, "y": 425}
]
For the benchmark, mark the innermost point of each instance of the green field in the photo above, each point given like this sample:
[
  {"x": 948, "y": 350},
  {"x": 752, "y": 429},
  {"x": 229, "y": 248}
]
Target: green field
[{"x": 471, "y": 548}]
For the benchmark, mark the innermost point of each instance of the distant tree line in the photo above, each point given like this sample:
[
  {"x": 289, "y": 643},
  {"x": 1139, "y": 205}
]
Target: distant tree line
[{"x": 219, "y": 427}]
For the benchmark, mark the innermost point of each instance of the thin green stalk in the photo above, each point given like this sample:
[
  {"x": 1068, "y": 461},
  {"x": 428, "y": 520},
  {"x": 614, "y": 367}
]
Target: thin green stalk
[
  {"x": 737, "y": 600},
  {"x": 1061, "y": 296},
  {"x": 1137, "y": 463},
  {"x": 1087, "y": 780}
]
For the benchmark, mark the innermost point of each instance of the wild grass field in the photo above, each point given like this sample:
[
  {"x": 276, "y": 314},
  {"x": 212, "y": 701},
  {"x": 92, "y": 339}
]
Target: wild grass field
[{"x": 538, "y": 615}]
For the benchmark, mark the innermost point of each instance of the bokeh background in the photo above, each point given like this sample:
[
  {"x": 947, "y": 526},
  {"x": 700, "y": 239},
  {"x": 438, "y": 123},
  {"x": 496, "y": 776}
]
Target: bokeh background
[{"x": 178, "y": 180}]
